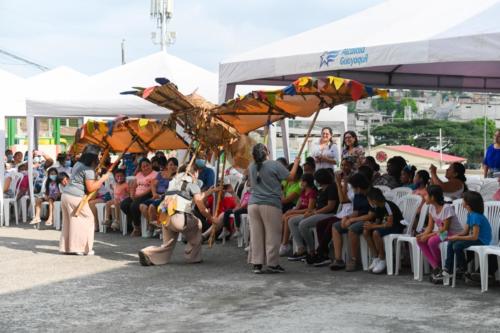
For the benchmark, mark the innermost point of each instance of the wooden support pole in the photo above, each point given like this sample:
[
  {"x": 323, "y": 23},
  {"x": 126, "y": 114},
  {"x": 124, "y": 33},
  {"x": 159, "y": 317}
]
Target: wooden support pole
[
  {"x": 308, "y": 134},
  {"x": 213, "y": 232}
]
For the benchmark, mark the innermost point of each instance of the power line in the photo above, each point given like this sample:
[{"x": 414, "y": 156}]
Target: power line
[{"x": 31, "y": 63}]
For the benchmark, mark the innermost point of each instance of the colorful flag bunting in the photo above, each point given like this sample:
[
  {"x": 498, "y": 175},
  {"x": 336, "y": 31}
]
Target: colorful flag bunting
[{"x": 356, "y": 90}]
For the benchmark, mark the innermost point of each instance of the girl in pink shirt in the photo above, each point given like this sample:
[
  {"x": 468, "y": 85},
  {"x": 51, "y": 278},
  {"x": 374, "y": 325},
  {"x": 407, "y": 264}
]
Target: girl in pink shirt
[
  {"x": 140, "y": 191},
  {"x": 120, "y": 193}
]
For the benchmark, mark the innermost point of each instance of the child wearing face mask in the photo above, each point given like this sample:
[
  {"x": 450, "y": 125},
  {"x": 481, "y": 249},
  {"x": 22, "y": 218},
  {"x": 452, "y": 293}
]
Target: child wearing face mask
[
  {"x": 120, "y": 193},
  {"x": 51, "y": 193}
]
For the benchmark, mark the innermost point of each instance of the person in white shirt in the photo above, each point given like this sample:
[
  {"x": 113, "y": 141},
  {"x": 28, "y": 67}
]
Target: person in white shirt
[{"x": 325, "y": 152}]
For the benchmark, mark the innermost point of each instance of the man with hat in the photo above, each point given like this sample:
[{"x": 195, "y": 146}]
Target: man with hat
[{"x": 77, "y": 234}]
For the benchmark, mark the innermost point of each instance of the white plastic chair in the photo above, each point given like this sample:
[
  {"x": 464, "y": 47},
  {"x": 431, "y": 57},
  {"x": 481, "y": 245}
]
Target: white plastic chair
[
  {"x": 474, "y": 187},
  {"x": 24, "y": 207},
  {"x": 245, "y": 231},
  {"x": 383, "y": 188},
  {"x": 417, "y": 262},
  {"x": 409, "y": 204},
  {"x": 57, "y": 215},
  {"x": 492, "y": 213},
  {"x": 145, "y": 232},
  {"x": 7, "y": 202},
  {"x": 398, "y": 193},
  {"x": 124, "y": 223},
  {"x": 100, "y": 207},
  {"x": 488, "y": 190},
  {"x": 460, "y": 211}
]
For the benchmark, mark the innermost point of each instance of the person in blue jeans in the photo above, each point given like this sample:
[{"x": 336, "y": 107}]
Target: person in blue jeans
[{"x": 477, "y": 231}]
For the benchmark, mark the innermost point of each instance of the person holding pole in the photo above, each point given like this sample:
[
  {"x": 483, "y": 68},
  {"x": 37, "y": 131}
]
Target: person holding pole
[
  {"x": 264, "y": 209},
  {"x": 77, "y": 235},
  {"x": 176, "y": 216}
]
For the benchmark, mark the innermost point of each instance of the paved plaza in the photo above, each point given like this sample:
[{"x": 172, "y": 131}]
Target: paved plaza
[{"x": 42, "y": 291}]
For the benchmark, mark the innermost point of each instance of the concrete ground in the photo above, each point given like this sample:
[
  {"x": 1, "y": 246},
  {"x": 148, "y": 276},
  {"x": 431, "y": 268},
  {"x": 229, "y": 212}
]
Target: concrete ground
[{"x": 42, "y": 291}]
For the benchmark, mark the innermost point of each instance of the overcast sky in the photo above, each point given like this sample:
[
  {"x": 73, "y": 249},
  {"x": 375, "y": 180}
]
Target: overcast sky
[{"x": 86, "y": 34}]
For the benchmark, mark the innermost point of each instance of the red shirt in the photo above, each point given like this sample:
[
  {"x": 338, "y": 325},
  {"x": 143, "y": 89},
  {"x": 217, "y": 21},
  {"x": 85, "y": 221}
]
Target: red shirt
[
  {"x": 226, "y": 203},
  {"x": 305, "y": 196}
]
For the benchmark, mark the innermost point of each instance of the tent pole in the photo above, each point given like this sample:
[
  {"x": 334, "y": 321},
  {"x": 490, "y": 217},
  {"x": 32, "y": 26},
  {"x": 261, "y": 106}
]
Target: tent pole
[
  {"x": 308, "y": 133},
  {"x": 31, "y": 147},
  {"x": 213, "y": 232},
  {"x": 2, "y": 165}
]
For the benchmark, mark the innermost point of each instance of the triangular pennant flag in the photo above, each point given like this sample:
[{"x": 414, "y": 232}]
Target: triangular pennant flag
[
  {"x": 143, "y": 122},
  {"x": 338, "y": 82},
  {"x": 102, "y": 127},
  {"x": 262, "y": 95},
  {"x": 271, "y": 97},
  {"x": 147, "y": 92},
  {"x": 356, "y": 90},
  {"x": 110, "y": 128},
  {"x": 290, "y": 90},
  {"x": 90, "y": 127},
  {"x": 383, "y": 93},
  {"x": 321, "y": 85},
  {"x": 369, "y": 90},
  {"x": 303, "y": 81}
]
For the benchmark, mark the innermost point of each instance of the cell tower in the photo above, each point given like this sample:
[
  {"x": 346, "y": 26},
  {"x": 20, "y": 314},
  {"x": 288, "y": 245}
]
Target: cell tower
[{"x": 162, "y": 11}]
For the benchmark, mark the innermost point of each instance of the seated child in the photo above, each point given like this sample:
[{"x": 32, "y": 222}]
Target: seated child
[
  {"x": 306, "y": 202},
  {"x": 477, "y": 231},
  {"x": 384, "y": 218},
  {"x": 51, "y": 193},
  {"x": 120, "y": 193}
]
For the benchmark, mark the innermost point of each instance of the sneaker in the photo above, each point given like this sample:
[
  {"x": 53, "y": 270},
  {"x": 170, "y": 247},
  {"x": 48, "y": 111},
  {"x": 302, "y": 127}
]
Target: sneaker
[
  {"x": 322, "y": 261},
  {"x": 90, "y": 253},
  {"x": 380, "y": 267},
  {"x": 247, "y": 248},
  {"x": 285, "y": 250},
  {"x": 297, "y": 257},
  {"x": 237, "y": 234},
  {"x": 373, "y": 264},
  {"x": 224, "y": 234},
  {"x": 257, "y": 269},
  {"x": 311, "y": 259},
  {"x": 436, "y": 272},
  {"x": 352, "y": 266},
  {"x": 439, "y": 277},
  {"x": 115, "y": 226},
  {"x": 275, "y": 269},
  {"x": 337, "y": 265}
]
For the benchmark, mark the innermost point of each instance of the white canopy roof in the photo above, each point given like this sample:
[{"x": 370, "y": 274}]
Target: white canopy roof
[
  {"x": 12, "y": 89},
  {"x": 100, "y": 96},
  {"x": 426, "y": 44}
]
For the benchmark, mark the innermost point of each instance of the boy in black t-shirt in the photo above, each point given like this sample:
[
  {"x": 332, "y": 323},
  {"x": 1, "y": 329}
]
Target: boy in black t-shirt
[
  {"x": 352, "y": 224},
  {"x": 385, "y": 219}
]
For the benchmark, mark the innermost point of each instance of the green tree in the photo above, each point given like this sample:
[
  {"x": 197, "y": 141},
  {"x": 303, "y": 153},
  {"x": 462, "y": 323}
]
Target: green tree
[
  {"x": 351, "y": 107},
  {"x": 403, "y": 104},
  {"x": 459, "y": 138},
  {"x": 385, "y": 105}
]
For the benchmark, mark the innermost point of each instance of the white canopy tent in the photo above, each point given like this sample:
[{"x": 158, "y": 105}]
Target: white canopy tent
[
  {"x": 427, "y": 44},
  {"x": 12, "y": 104},
  {"x": 446, "y": 44},
  {"x": 100, "y": 95}
]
